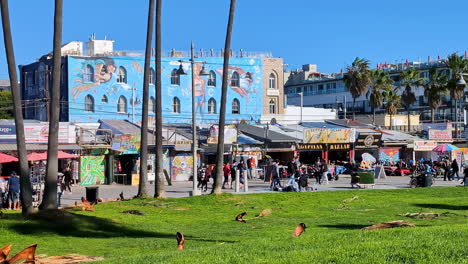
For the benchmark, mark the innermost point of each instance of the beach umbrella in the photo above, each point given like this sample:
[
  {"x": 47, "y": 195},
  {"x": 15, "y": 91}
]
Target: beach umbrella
[{"x": 445, "y": 148}]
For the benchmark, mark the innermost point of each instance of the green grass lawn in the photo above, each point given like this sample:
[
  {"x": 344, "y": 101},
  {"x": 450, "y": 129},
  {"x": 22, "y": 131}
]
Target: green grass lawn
[{"x": 334, "y": 234}]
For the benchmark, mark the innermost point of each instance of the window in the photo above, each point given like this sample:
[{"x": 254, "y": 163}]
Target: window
[
  {"x": 88, "y": 75},
  {"x": 235, "y": 79},
  {"x": 248, "y": 76},
  {"x": 122, "y": 105},
  {"x": 122, "y": 77},
  {"x": 235, "y": 106},
  {"x": 212, "y": 106},
  {"x": 272, "y": 81},
  {"x": 176, "y": 105},
  {"x": 152, "y": 76},
  {"x": 151, "y": 105},
  {"x": 104, "y": 99},
  {"x": 175, "y": 77},
  {"x": 272, "y": 105},
  {"x": 89, "y": 103},
  {"x": 212, "y": 79}
]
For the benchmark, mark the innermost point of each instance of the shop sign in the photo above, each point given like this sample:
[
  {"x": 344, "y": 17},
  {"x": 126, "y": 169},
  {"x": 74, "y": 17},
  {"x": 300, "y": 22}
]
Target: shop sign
[
  {"x": 368, "y": 140},
  {"x": 37, "y": 133},
  {"x": 311, "y": 147},
  {"x": 183, "y": 145},
  {"x": 424, "y": 145},
  {"x": 329, "y": 135},
  {"x": 439, "y": 134},
  {"x": 339, "y": 147},
  {"x": 230, "y": 134}
]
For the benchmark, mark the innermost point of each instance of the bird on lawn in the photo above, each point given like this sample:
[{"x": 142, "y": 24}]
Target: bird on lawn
[
  {"x": 300, "y": 228},
  {"x": 121, "y": 196},
  {"x": 239, "y": 217},
  {"x": 180, "y": 241}
]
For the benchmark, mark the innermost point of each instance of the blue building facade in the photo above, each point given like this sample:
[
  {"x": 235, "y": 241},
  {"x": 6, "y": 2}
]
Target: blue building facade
[{"x": 94, "y": 88}]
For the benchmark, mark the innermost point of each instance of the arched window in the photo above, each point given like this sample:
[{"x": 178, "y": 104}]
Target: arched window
[
  {"x": 176, "y": 105},
  {"x": 175, "y": 77},
  {"x": 89, "y": 103},
  {"x": 88, "y": 75},
  {"x": 122, "y": 105},
  {"x": 235, "y": 106},
  {"x": 212, "y": 79},
  {"x": 272, "y": 81},
  {"x": 122, "y": 77},
  {"x": 212, "y": 106},
  {"x": 235, "y": 79},
  {"x": 272, "y": 106},
  {"x": 151, "y": 105},
  {"x": 152, "y": 76},
  {"x": 104, "y": 99}
]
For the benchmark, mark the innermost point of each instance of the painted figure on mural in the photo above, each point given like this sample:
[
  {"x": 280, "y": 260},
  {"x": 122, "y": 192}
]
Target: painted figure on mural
[
  {"x": 245, "y": 86},
  {"x": 200, "y": 88}
]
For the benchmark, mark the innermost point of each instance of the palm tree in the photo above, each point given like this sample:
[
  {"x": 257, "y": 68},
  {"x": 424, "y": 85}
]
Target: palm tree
[
  {"x": 50, "y": 189},
  {"x": 457, "y": 65},
  {"x": 380, "y": 80},
  {"x": 26, "y": 191},
  {"x": 142, "y": 189},
  {"x": 159, "y": 180},
  {"x": 222, "y": 112},
  {"x": 434, "y": 89},
  {"x": 357, "y": 79},
  {"x": 392, "y": 101},
  {"x": 410, "y": 78}
]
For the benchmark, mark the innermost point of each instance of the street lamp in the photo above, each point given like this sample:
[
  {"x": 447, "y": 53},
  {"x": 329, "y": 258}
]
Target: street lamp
[
  {"x": 461, "y": 83},
  {"x": 203, "y": 72}
]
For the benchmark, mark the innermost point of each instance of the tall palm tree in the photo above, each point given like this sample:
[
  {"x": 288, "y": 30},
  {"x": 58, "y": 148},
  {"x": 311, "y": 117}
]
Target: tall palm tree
[
  {"x": 26, "y": 191},
  {"x": 380, "y": 80},
  {"x": 357, "y": 79},
  {"x": 142, "y": 188},
  {"x": 410, "y": 78},
  {"x": 222, "y": 112},
  {"x": 434, "y": 89},
  {"x": 457, "y": 65},
  {"x": 392, "y": 102},
  {"x": 50, "y": 189},
  {"x": 159, "y": 180}
]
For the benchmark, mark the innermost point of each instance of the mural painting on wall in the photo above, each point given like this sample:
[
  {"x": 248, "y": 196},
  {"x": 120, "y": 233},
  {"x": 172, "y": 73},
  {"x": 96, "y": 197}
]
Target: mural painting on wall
[
  {"x": 127, "y": 144},
  {"x": 390, "y": 155},
  {"x": 92, "y": 170},
  {"x": 182, "y": 167}
]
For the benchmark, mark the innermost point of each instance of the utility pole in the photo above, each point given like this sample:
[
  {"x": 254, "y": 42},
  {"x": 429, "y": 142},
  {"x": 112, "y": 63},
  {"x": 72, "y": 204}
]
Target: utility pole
[{"x": 194, "y": 126}]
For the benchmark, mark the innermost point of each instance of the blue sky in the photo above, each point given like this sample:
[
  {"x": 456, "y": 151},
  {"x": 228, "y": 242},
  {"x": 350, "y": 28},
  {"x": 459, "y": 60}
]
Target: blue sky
[{"x": 328, "y": 33}]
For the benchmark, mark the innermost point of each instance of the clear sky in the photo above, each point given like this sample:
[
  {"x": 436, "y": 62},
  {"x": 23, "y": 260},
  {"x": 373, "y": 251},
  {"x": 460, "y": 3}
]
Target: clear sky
[{"x": 328, "y": 33}]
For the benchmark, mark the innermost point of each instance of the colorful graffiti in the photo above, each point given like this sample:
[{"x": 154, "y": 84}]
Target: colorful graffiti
[
  {"x": 106, "y": 79},
  {"x": 390, "y": 155},
  {"x": 182, "y": 167},
  {"x": 127, "y": 144},
  {"x": 92, "y": 170}
]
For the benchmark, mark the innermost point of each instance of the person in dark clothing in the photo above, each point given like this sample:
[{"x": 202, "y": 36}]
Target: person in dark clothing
[
  {"x": 455, "y": 169},
  {"x": 241, "y": 167},
  {"x": 13, "y": 191},
  {"x": 67, "y": 176}
]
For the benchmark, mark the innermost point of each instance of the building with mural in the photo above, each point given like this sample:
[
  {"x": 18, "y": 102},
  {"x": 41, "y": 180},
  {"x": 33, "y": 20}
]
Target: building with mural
[{"x": 107, "y": 84}]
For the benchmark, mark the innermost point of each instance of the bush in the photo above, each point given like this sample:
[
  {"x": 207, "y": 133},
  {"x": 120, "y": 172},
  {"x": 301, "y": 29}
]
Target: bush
[{"x": 366, "y": 177}]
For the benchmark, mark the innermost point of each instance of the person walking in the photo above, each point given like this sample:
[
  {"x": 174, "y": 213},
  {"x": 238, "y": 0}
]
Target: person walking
[
  {"x": 324, "y": 172},
  {"x": 13, "y": 191},
  {"x": 275, "y": 177},
  {"x": 292, "y": 170},
  {"x": 455, "y": 170},
  {"x": 226, "y": 173},
  {"x": 233, "y": 172},
  {"x": 241, "y": 168},
  {"x": 446, "y": 168},
  {"x": 67, "y": 176}
]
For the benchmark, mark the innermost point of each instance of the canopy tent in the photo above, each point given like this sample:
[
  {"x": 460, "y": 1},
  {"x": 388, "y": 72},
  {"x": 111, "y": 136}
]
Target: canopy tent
[
  {"x": 445, "y": 148},
  {"x": 43, "y": 156},
  {"x": 4, "y": 158}
]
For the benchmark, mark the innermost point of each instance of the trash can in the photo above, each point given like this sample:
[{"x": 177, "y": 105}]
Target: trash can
[
  {"x": 465, "y": 181},
  {"x": 92, "y": 194},
  {"x": 427, "y": 180}
]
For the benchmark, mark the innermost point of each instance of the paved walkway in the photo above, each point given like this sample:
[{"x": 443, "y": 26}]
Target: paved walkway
[{"x": 183, "y": 189}]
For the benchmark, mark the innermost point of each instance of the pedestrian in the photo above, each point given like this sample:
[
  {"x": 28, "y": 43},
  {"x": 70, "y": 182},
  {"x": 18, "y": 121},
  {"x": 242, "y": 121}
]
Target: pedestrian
[
  {"x": 446, "y": 169},
  {"x": 226, "y": 173},
  {"x": 249, "y": 166},
  {"x": 241, "y": 168},
  {"x": 67, "y": 175},
  {"x": 455, "y": 169},
  {"x": 13, "y": 191},
  {"x": 292, "y": 170},
  {"x": 233, "y": 172},
  {"x": 275, "y": 177},
  {"x": 324, "y": 172},
  {"x": 253, "y": 168}
]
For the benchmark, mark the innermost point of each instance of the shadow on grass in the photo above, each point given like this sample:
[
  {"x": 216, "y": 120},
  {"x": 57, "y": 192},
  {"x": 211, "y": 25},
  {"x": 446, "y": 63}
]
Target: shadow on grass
[
  {"x": 443, "y": 206},
  {"x": 344, "y": 226},
  {"x": 76, "y": 225}
]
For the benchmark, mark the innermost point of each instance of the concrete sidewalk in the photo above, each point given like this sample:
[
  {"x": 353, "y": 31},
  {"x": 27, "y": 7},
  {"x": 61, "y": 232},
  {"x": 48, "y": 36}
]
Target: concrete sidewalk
[{"x": 183, "y": 189}]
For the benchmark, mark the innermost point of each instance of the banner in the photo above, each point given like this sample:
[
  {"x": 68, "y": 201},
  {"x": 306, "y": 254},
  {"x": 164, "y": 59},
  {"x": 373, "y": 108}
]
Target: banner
[
  {"x": 368, "y": 140},
  {"x": 329, "y": 135},
  {"x": 230, "y": 134},
  {"x": 127, "y": 144},
  {"x": 424, "y": 145},
  {"x": 440, "y": 134},
  {"x": 37, "y": 133}
]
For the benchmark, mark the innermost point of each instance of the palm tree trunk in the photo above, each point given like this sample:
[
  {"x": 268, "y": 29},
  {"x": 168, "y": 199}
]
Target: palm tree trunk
[
  {"x": 50, "y": 190},
  {"x": 159, "y": 180},
  {"x": 142, "y": 188},
  {"x": 409, "y": 119},
  {"x": 432, "y": 115},
  {"x": 26, "y": 192},
  {"x": 222, "y": 112},
  {"x": 456, "y": 118},
  {"x": 373, "y": 115},
  {"x": 354, "y": 102}
]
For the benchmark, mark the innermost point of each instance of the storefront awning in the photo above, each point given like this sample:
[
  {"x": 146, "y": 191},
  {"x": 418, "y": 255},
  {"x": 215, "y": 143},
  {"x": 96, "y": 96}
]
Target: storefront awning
[{"x": 34, "y": 147}]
